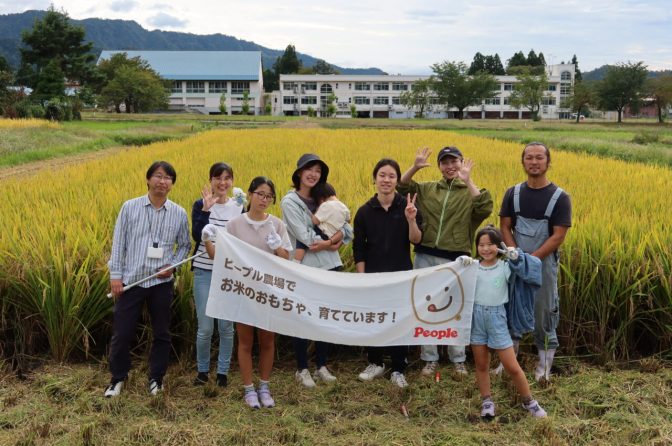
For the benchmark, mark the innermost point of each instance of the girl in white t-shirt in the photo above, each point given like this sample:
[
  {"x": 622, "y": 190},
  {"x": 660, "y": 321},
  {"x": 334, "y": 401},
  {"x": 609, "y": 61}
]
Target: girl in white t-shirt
[
  {"x": 215, "y": 208},
  {"x": 268, "y": 233},
  {"x": 489, "y": 328}
]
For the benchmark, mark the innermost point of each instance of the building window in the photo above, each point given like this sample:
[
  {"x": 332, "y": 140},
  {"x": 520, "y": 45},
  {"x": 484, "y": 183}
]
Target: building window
[
  {"x": 362, "y": 100},
  {"x": 508, "y": 87},
  {"x": 176, "y": 87},
  {"x": 289, "y": 100},
  {"x": 395, "y": 100},
  {"x": 362, "y": 86},
  {"x": 399, "y": 86},
  {"x": 492, "y": 101},
  {"x": 309, "y": 100},
  {"x": 381, "y": 100},
  {"x": 551, "y": 87},
  {"x": 310, "y": 86},
  {"x": 288, "y": 86},
  {"x": 566, "y": 76},
  {"x": 381, "y": 86},
  {"x": 565, "y": 89},
  {"x": 239, "y": 87},
  {"x": 326, "y": 88},
  {"x": 507, "y": 100},
  {"x": 548, "y": 100},
  {"x": 216, "y": 87},
  {"x": 195, "y": 87}
]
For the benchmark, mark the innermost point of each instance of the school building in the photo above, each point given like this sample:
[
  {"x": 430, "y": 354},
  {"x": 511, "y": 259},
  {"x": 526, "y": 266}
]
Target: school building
[
  {"x": 377, "y": 96},
  {"x": 199, "y": 78}
]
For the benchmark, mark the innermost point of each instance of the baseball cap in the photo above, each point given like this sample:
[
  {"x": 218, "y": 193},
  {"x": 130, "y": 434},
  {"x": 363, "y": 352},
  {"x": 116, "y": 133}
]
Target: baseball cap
[
  {"x": 306, "y": 159},
  {"x": 449, "y": 151}
]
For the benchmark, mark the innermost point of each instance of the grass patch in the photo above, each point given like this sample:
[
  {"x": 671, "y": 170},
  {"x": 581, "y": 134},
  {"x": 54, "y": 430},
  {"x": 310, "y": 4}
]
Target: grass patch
[{"x": 64, "y": 405}]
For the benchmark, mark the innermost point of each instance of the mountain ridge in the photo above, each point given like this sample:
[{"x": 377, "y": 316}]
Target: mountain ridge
[{"x": 117, "y": 34}]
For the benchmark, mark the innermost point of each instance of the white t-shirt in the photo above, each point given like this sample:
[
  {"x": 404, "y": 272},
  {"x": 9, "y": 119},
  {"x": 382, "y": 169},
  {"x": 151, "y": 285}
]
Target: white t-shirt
[
  {"x": 255, "y": 232},
  {"x": 220, "y": 214},
  {"x": 492, "y": 284},
  {"x": 333, "y": 215}
]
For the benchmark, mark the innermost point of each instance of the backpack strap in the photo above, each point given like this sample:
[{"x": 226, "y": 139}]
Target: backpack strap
[
  {"x": 552, "y": 202},
  {"x": 516, "y": 198}
]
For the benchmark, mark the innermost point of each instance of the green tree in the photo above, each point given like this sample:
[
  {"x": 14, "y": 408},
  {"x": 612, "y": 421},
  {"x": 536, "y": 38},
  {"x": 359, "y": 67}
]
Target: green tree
[
  {"x": 288, "y": 63},
  {"x": 271, "y": 80},
  {"x": 322, "y": 67},
  {"x": 51, "y": 39},
  {"x": 516, "y": 60},
  {"x": 107, "y": 68},
  {"x": 577, "y": 72},
  {"x": 660, "y": 90},
  {"x": 419, "y": 97},
  {"x": 222, "y": 104},
  {"x": 245, "y": 108},
  {"x": 139, "y": 90},
  {"x": 353, "y": 111},
  {"x": 50, "y": 83},
  {"x": 532, "y": 59},
  {"x": 529, "y": 92},
  {"x": 478, "y": 64},
  {"x": 582, "y": 97},
  {"x": 331, "y": 105},
  {"x": 622, "y": 86},
  {"x": 493, "y": 65},
  {"x": 455, "y": 88},
  {"x": 4, "y": 66}
]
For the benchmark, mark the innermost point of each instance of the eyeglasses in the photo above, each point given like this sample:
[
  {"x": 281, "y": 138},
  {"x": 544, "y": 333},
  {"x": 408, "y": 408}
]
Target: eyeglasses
[
  {"x": 263, "y": 196},
  {"x": 165, "y": 178}
]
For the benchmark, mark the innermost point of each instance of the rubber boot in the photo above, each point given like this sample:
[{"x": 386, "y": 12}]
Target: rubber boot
[
  {"x": 540, "y": 369},
  {"x": 498, "y": 370},
  {"x": 550, "y": 354}
]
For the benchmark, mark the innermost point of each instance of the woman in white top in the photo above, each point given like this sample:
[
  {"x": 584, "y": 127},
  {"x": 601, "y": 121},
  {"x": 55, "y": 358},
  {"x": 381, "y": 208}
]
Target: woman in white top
[
  {"x": 215, "y": 208},
  {"x": 268, "y": 233}
]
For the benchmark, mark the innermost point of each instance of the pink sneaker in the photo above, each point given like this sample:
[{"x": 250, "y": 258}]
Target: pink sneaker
[
  {"x": 266, "y": 398},
  {"x": 252, "y": 399}
]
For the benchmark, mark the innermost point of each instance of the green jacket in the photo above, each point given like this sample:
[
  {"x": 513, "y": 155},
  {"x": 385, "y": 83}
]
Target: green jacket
[{"x": 450, "y": 214}]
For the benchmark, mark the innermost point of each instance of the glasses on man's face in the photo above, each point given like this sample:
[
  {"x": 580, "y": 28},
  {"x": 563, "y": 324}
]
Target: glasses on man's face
[
  {"x": 166, "y": 178},
  {"x": 263, "y": 196}
]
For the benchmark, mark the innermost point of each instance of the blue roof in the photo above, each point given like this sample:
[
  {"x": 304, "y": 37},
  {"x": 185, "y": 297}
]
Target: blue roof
[{"x": 199, "y": 65}]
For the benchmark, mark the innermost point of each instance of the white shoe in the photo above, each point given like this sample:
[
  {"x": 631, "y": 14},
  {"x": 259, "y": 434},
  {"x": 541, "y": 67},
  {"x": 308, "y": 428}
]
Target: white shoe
[
  {"x": 460, "y": 368},
  {"x": 372, "y": 371},
  {"x": 303, "y": 377},
  {"x": 155, "y": 387},
  {"x": 430, "y": 368},
  {"x": 114, "y": 389},
  {"x": 324, "y": 375},
  {"x": 399, "y": 379}
]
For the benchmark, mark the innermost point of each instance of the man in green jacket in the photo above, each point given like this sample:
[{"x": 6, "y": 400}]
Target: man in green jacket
[{"x": 452, "y": 209}]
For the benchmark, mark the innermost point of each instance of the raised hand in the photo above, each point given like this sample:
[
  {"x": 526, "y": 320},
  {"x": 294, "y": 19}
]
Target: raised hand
[
  {"x": 411, "y": 211},
  {"x": 465, "y": 171},
  {"x": 509, "y": 252},
  {"x": 209, "y": 198},
  {"x": 421, "y": 157}
]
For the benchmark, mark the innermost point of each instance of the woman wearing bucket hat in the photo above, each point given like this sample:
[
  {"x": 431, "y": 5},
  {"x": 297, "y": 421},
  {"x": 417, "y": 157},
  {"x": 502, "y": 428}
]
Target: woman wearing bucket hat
[{"x": 297, "y": 208}]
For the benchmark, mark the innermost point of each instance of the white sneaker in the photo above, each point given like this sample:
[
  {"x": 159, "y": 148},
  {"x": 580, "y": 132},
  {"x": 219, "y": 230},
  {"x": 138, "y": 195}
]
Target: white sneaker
[
  {"x": 155, "y": 387},
  {"x": 114, "y": 389},
  {"x": 535, "y": 409},
  {"x": 460, "y": 368},
  {"x": 324, "y": 375},
  {"x": 304, "y": 378},
  {"x": 430, "y": 368},
  {"x": 372, "y": 371},
  {"x": 399, "y": 379}
]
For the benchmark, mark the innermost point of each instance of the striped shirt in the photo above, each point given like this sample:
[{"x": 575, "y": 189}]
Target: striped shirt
[
  {"x": 219, "y": 215},
  {"x": 140, "y": 226}
]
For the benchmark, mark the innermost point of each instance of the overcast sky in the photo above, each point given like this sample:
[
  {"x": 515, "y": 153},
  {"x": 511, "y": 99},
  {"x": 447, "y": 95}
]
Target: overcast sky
[{"x": 408, "y": 36}]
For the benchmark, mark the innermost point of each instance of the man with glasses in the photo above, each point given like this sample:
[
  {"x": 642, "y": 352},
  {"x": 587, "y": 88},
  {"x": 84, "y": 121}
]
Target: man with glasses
[{"x": 151, "y": 234}]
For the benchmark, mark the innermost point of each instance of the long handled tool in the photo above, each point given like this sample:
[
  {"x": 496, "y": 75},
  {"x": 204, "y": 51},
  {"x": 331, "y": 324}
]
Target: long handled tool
[{"x": 167, "y": 268}]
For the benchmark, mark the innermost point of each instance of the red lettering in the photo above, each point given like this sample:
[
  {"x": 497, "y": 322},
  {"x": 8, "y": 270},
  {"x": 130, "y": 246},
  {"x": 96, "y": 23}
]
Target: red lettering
[{"x": 438, "y": 334}]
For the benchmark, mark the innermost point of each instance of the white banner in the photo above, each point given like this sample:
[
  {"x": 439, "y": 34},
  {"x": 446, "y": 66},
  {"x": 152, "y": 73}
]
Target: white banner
[{"x": 425, "y": 306}]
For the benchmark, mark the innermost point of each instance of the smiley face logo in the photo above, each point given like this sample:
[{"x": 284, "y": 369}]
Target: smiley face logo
[{"x": 438, "y": 296}]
